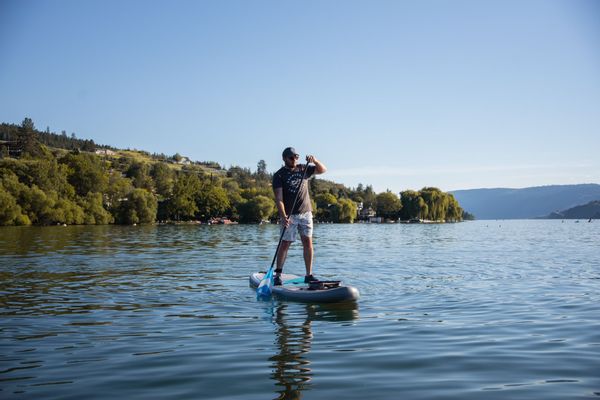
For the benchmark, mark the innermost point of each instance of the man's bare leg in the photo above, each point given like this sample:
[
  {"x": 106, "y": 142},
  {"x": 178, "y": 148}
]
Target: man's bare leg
[
  {"x": 308, "y": 253},
  {"x": 282, "y": 254}
]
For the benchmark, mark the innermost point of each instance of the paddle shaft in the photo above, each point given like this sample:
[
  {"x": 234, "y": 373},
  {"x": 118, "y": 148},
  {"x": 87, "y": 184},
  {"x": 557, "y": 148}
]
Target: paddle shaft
[{"x": 291, "y": 211}]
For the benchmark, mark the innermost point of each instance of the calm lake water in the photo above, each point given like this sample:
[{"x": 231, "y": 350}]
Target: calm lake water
[{"x": 478, "y": 310}]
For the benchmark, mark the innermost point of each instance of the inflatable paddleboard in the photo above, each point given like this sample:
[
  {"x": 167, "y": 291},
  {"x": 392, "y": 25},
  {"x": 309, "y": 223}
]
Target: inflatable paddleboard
[{"x": 295, "y": 289}]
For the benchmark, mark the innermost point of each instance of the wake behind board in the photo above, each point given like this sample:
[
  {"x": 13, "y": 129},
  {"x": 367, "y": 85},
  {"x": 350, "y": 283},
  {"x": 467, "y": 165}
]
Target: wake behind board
[{"x": 295, "y": 289}]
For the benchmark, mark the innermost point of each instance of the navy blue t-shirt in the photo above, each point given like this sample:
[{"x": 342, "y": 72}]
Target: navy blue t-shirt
[{"x": 290, "y": 182}]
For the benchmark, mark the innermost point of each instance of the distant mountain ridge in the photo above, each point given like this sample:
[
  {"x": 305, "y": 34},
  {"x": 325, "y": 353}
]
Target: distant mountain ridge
[
  {"x": 585, "y": 211},
  {"x": 531, "y": 202}
]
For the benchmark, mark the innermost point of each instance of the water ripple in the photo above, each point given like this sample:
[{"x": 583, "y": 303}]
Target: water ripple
[{"x": 477, "y": 310}]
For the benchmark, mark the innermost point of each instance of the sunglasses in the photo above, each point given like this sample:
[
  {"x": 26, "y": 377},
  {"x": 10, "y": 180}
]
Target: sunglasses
[{"x": 294, "y": 157}]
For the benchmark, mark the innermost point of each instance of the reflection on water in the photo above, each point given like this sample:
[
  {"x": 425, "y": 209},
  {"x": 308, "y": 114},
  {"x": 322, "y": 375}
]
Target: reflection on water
[
  {"x": 294, "y": 336},
  {"x": 291, "y": 366},
  {"x": 467, "y": 311},
  {"x": 106, "y": 239}
]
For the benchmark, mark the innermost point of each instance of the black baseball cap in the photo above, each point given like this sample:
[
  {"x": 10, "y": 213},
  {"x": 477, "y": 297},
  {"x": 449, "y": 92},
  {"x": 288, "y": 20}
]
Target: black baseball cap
[{"x": 288, "y": 152}]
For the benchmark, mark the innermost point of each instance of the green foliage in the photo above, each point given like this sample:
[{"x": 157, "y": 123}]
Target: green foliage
[
  {"x": 45, "y": 186},
  {"x": 261, "y": 171},
  {"x": 344, "y": 211},
  {"x": 388, "y": 205},
  {"x": 338, "y": 190},
  {"x": 139, "y": 173},
  {"x": 27, "y": 140},
  {"x": 182, "y": 204},
  {"x": 234, "y": 193},
  {"x": 434, "y": 200},
  {"x": 10, "y": 133},
  {"x": 10, "y": 211},
  {"x": 453, "y": 212},
  {"x": 41, "y": 207},
  {"x": 68, "y": 213},
  {"x": 212, "y": 201},
  {"x": 256, "y": 191},
  {"x": 366, "y": 195},
  {"x": 466, "y": 216},
  {"x": 47, "y": 208},
  {"x": 86, "y": 173},
  {"x": 164, "y": 178},
  {"x": 430, "y": 204},
  {"x": 329, "y": 208},
  {"x": 326, "y": 207},
  {"x": 44, "y": 196},
  {"x": 116, "y": 191},
  {"x": 413, "y": 205},
  {"x": 139, "y": 208},
  {"x": 325, "y": 200},
  {"x": 94, "y": 212},
  {"x": 256, "y": 210},
  {"x": 243, "y": 176},
  {"x": 46, "y": 174}
]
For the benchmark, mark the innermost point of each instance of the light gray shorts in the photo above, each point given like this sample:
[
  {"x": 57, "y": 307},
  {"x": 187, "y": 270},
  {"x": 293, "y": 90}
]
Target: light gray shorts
[{"x": 299, "y": 223}]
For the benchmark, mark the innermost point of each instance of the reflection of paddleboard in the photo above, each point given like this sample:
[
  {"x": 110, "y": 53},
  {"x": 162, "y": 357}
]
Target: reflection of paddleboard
[{"x": 294, "y": 288}]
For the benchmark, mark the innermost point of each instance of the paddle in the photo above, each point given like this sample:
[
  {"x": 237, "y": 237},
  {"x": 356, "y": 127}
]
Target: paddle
[{"x": 264, "y": 288}]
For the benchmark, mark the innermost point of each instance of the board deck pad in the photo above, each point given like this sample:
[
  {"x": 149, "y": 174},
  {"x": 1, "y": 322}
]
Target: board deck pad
[{"x": 295, "y": 289}]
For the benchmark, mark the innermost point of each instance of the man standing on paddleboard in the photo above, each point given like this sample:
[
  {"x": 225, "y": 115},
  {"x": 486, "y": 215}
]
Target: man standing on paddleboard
[{"x": 286, "y": 183}]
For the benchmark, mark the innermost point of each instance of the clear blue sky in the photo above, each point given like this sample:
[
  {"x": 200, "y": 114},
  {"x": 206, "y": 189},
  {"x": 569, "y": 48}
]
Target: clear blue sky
[{"x": 397, "y": 94}]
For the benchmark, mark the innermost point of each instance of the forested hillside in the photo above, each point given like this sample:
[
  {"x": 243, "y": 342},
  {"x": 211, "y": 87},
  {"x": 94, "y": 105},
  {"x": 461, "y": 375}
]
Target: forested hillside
[
  {"x": 590, "y": 210},
  {"x": 47, "y": 179}
]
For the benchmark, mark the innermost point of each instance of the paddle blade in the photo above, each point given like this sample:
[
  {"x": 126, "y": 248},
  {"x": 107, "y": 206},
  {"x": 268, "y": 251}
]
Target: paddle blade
[{"x": 264, "y": 288}]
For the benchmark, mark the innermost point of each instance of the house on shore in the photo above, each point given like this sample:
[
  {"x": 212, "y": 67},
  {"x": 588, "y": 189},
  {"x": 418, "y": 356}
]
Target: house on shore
[
  {"x": 364, "y": 213},
  {"x": 105, "y": 152}
]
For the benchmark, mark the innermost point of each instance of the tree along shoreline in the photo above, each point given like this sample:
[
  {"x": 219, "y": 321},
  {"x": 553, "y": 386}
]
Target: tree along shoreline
[{"x": 51, "y": 179}]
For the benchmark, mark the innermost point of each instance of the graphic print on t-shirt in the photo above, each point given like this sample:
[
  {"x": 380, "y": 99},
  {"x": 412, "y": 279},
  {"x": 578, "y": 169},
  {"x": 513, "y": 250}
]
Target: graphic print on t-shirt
[{"x": 293, "y": 182}]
